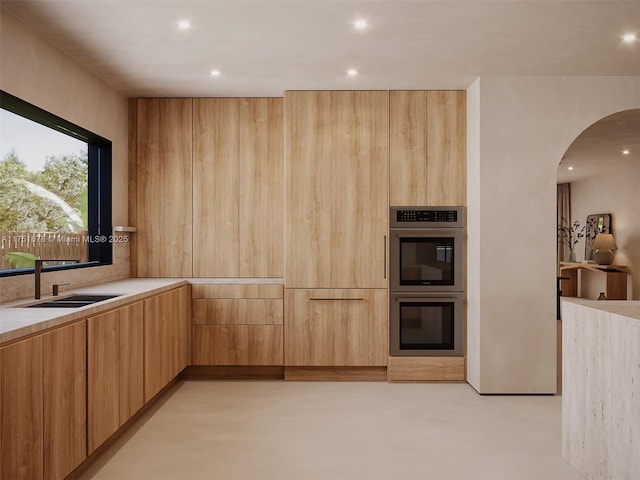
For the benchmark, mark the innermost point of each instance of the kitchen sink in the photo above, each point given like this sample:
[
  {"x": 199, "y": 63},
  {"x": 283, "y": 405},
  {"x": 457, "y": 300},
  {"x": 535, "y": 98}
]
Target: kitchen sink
[{"x": 73, "y": 301}]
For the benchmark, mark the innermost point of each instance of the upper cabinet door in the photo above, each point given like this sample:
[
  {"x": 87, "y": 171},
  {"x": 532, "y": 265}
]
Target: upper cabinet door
[
  {"x": 163, "y": 191},
  {"x": 261, "y": 187},
  {"x": 215, "y": 187},
  {"x": 336, "y": 166},
  {"x": 427, "y": 148}
]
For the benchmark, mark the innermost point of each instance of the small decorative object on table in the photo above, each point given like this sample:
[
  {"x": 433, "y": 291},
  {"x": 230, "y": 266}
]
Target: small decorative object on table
[
  {"x": 570, "y": 235},
  {"x": 603, "y": 247}
]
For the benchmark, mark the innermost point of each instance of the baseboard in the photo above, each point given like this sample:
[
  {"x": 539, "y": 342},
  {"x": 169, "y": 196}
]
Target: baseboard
[
  {"x": 426, "y": 369},
  {"x": 214, "y": 372},
  {"x": 336, "y": 374}
]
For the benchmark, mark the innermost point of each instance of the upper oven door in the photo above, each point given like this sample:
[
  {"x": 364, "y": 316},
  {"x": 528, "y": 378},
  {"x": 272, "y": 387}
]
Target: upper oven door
[{"x": 426, "y": 260}]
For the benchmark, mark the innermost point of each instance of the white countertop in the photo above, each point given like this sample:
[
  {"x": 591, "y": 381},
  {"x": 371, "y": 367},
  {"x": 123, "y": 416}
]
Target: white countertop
[
  {"x": 624, "y": 308},
  {"x": 16, "y": 322}
]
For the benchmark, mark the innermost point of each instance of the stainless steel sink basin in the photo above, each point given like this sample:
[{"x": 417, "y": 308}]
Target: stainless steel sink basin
[{"x": 73, "y": 301}]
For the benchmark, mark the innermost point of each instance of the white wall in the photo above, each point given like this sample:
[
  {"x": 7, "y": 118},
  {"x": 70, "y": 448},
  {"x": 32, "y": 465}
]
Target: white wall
[
  {"x": 618, "y": 193},
  {"x": 525, "y": 125},
  {"x": 35, "y": 71}
]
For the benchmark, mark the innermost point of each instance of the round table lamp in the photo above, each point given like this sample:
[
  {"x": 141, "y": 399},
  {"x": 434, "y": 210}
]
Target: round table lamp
[{"x": 603, "y": 247}]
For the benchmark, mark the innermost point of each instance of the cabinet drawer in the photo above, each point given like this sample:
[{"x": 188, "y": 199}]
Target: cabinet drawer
[
  {"x": 336, "y": 327},
  {"x": 237, "y": 345},
  {"x": 237, "y": 311},
  {"x": 237, "y": 291}
]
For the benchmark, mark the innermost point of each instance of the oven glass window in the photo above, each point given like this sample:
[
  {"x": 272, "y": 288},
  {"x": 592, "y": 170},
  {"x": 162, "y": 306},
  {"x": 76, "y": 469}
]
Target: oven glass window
[
  {"x": 426, "y": 325},
  {"x": 426, "y": 261}
]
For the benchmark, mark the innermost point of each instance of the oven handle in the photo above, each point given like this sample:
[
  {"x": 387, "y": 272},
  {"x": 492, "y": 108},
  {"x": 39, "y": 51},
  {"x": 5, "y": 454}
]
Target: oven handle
[
  {"x": 336, "y": 299},
  {"x": 384, "y": 264},
  {"x": 422, "y": 299}
]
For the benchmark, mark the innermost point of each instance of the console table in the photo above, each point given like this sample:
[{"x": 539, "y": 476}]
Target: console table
[{"x": 615, "y": 278}]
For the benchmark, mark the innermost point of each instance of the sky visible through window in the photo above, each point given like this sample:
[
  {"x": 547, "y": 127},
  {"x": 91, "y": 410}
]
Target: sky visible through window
[{"x": 32, "y": 143}]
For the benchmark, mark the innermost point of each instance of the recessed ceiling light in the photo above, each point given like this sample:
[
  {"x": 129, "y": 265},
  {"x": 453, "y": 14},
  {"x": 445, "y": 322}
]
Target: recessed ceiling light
[
  {"x": 569, "y": 168},
  {"x": 360, "y": 24},
  {"x": 352, "y": 72},
  {"x": 626, "y": 152},
  {"x": 630, "y": 37},
  {"x": 215, "y": 73},
  {"x": 184, "y": 25}
]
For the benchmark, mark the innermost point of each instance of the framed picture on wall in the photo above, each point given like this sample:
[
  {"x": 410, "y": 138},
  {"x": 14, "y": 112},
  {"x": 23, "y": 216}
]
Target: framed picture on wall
[{"x": 596, "y": 223}]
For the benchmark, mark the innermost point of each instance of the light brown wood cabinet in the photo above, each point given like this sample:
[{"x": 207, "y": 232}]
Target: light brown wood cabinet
[
  {"x": 65, "y": 399},
  {"x": 206, "y": 187},
  {"x": 237, "y": 325},
  {"x": 115, "y": 370},
  {"x": 162, "y": 206},
  {"x": 21, "y": 410},
  {"x": 43, "y": 404},
  {"x": 167, "y": 318},
  {"x": 336, "y": 327},
  {"x": 238, "y": 187},
  {"x": 427, "y": 148},
  {"x": 336, "y": 189}
]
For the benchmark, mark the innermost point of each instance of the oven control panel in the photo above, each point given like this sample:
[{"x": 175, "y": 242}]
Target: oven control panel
[
  {"x": 438, "y": 217},
  {"x": 444, "y": 216}
]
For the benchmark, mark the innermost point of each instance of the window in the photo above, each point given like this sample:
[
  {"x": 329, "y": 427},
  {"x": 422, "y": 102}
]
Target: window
[{"x": 55, "y": 191}]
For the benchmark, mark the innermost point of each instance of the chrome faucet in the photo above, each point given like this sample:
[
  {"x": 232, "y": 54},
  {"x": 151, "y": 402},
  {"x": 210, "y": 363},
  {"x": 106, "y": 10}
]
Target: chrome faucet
[{"x": 38, "y": 270}]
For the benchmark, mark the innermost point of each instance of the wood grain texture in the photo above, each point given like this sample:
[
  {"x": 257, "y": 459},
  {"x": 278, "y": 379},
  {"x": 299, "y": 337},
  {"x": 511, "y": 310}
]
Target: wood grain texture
[
  {"x": 164, "y": 176},
  {"x": 336, "y": 374},
  {"x": 261, "y": 187},
  {"x": 131, "y": 367},
  {"x": 167, "y": 318},
  {"x": 133, "y": 182},
  {"x": 215, "y": 187},
  {"x": 341, "y": 328},
  {"x": 408, "y": 148},
  {"x": 446, "y": 148},
  {"x": 237, "y": 345},
  {"x": 65, "y": 399},
  {"x": 427, "y": 148},
  {"x": 234, "y": 311},
  {"x": 426, "y": 369},
  {"x": 237, "y": 291},
  {"x": 103, "y": 373},
  {"x": 336, "y": 165},
  {"x": 21, "y": 412}
]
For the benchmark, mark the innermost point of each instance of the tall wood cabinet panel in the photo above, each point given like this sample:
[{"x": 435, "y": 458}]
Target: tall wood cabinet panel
[
  {"x": 427, "y": 148},
  {"x": 408, "y": 148},
  {"x": 328, "y": 327},
  {"x": 167, "y": 321},
  {"x": 115, "y": 370},
  {"x": 65, "y": 399},
  {"x": 446, "y": 147},
  {"x": 163, "y": 193},
  {"x": 21, "y": 410},
  {"x": 215, "y": 187},
  {"x": 336, "y": 189},
  {"x": 261, "y": 187}
]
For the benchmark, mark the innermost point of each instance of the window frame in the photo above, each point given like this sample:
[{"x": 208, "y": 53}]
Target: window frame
[{"x": 100, "y": 252}]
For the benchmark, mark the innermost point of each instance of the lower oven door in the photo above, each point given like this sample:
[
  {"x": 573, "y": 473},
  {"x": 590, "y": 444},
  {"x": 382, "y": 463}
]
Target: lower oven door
[{"x": 426, "y": 325}]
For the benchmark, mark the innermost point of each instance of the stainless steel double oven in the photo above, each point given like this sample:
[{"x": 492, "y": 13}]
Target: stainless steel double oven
[{"x": 427, "y": 281}]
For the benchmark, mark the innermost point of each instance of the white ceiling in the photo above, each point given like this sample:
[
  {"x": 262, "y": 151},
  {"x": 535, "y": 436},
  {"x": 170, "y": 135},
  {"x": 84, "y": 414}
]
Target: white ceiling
[{"x": 264, "y": 47}]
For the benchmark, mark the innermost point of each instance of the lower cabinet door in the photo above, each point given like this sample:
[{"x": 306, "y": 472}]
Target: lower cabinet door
[
  {"x": 21, "y": 412},
  {"x": 237, "y": 345},
  {"x": 336, "y": 327},
  {"x": 65, "y": 399}
]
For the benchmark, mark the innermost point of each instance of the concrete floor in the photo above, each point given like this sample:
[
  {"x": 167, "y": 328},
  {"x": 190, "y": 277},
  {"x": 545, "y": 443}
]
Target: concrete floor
[{"x": 275, "y": 430}]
